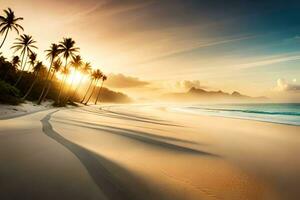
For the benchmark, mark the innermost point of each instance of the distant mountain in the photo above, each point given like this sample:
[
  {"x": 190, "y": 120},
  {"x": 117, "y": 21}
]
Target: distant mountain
[
  {"x": 196, "y": 94},
  {"x": 114, "y": 96},
  {"x": 219, "y": 93},
  {"x": 110, "y": 96}
]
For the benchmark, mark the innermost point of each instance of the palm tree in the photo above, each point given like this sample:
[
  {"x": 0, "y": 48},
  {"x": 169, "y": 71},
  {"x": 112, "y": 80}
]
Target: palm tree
[
  {"x": 25, "y": 44},
  {"x": 36, "y": 69},
  {"x": 32, "y": 59},
  {"x": 56, "y": 67},
  {"x": 9, "y": 22},
  {"x": 92, "y": 78},
  {"x": 15, "y": 62},
  {"x": 104, "y": 78},
  {"x": 65, "y": 72},
  {"x": 76, "y": 63},
  {"x": 98, "y": 75},
  {"x": 52, "y": 53},
  {"x": 85, "y": 69},
  {"x": 68, "y": 49}
]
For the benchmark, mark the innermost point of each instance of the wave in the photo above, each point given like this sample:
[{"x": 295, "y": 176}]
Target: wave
[
  {"x": 275, "y": 113},
  {"x": 248, "y": 111}
]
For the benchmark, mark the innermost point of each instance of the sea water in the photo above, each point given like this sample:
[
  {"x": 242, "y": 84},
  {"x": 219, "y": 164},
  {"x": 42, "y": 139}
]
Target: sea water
[{"x": 284, "y": 113}]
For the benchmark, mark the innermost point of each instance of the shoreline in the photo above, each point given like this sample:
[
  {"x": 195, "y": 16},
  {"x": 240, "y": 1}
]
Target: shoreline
[{"x": 182, "y": 110}]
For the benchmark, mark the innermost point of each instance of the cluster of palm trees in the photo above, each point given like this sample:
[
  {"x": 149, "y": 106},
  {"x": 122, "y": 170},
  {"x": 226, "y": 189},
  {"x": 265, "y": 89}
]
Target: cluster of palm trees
[{"x": 63, "y": 58}]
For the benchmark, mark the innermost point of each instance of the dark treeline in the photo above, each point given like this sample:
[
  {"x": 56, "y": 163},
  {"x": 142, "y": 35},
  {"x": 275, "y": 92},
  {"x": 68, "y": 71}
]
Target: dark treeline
[{"x": 25, "y": 77}]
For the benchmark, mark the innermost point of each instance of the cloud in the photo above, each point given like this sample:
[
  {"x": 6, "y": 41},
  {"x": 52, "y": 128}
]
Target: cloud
[
  {"x": 182, "y": 86},
  {"x": 283, "y": 85},
  {"x": 269, "y": 61},
  {"x": 122, "y": 81},
  {"x": 187, "y": 84}
]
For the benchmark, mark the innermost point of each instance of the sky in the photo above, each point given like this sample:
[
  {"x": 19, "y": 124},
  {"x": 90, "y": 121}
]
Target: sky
[{"x": 170, "y": 45}]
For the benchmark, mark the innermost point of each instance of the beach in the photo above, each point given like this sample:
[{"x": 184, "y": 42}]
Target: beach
[{"x": 146, "y": 152}]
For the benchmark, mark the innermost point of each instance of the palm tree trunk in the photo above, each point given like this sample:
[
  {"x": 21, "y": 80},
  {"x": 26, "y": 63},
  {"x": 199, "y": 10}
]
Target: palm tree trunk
[
  {"x": 64, "y": 78},
  {"x": 99, "y": 92},
  {"x": 70, "y": 87},
  {"x": 48, "y": 88},
  {"x": 91, "y": 92},
  {"x": 33, "y": 83},
  {"x": 61, "y": 88},
  {"x": 87, "y": 91},
  {"x": 75, "y": 91},
  {"x": 22, "y": 68},
  {"x": 46, "y": 83},
  {"x": 4, "y": 38}
]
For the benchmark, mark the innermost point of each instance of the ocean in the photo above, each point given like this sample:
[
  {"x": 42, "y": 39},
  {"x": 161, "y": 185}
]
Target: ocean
[{"x": 283, "y": 113}]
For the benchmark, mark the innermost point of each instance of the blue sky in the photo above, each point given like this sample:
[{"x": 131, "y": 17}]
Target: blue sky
[{"x": 228, "y": 45}]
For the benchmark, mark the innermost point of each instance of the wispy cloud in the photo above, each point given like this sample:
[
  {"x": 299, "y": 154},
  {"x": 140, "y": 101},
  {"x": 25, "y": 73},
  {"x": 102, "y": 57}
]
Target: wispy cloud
[
  {"x": 269, "y": 61},
  {"x": 196, "y": 45}
]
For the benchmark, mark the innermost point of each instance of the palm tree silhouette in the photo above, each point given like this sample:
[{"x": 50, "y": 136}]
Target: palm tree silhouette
[
  {"x": 104, "y": 78},
  {"x": 85, "y": 69},
  {"x": 76, "y": 63},
  {"x": 97, "y": 75},
  {"x": 56, "y": 67},
  {"x": 15, "y": 62},
  {"x": 68, "y": 49},
  {"x": 65, "y": 72},
  {"x": 36, "y": 70},
  {"x": 9, "y": 22},
  {"x": 24, "y": 44},
  {"x": 92, "y": 75},
  {"x": 52, "y": 53},
  {"x": 32, "y": 60}
]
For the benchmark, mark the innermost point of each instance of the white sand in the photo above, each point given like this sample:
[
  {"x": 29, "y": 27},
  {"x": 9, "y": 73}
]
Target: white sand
[
  {"x": 146, "y": 152},
  {"x": 8, "y": 111}
]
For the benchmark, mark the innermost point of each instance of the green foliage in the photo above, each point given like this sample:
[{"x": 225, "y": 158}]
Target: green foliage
[{"x": 9, "y": 94}]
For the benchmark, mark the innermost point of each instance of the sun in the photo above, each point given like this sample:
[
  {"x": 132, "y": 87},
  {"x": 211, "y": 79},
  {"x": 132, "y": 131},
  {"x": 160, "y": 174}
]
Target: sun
[{"x": 73, "y": 78}]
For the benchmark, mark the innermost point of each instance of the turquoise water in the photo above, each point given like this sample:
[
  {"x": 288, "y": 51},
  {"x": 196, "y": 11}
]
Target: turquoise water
[{"x": 271, "y": 112}]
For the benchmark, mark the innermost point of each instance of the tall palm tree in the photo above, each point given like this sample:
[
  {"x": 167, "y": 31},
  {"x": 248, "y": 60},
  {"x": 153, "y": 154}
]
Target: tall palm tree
[
  {"x": 65, "y": 72},
  {"x": 15, "y": 62},
  {"x": 56, "y": 68},
  {"x": 104, "y": 78},
  {"x": 52, "y": 53},
  {"x": 76, "y": 63},
  {"x": 25, "y": 44},
  {"x": 68, "y": 49},
  {"x": 9, "y": 22},
  {"x": 98, "y": 75},
  {"x": 36, "y": 70},
  {"x": 92, "y": 75},
  {"x": 85, "y": 69},
  {"x": 32, "y": 59}
]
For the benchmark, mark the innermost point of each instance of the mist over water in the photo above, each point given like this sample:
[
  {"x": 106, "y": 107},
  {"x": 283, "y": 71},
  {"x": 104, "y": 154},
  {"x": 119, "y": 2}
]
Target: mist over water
[{"x": 283, "y": 113}]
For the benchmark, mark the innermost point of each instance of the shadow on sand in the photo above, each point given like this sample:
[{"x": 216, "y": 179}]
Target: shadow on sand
[
  {"x": 103, "y": 178},
  {"x": 126, "y": 116},
  {"x": 113, "y": 180},
  {"x": 144, "y": 137},
  {"x": 108, "y": 175}
]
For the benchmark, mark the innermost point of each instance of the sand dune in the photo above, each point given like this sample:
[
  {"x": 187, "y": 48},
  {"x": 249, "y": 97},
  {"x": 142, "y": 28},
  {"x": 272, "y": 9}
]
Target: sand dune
[{"x": 146, "y": 152}]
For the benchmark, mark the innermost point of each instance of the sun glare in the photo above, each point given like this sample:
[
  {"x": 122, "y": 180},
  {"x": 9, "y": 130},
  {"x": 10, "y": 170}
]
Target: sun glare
[{"x": 73, "y": 77}]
